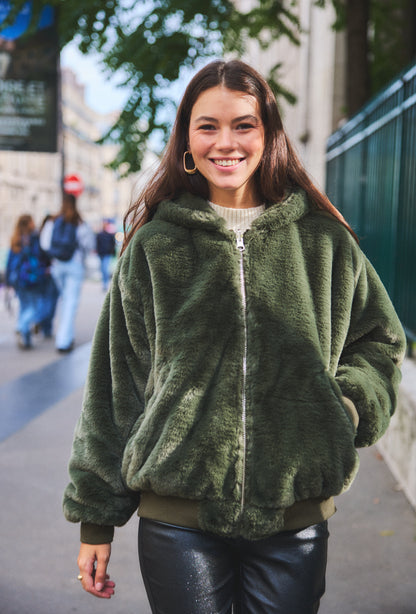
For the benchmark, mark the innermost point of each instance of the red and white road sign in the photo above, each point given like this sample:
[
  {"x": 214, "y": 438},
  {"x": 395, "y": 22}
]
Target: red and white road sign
[{"x": 73, "y": 184}]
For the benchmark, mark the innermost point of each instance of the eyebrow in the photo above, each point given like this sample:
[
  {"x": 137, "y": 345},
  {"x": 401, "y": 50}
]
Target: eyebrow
[{"x": 206, "y": 118}]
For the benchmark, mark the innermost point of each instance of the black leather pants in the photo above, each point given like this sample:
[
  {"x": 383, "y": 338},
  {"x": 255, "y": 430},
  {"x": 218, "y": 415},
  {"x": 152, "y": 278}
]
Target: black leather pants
[{"x": 186, "y": 571}]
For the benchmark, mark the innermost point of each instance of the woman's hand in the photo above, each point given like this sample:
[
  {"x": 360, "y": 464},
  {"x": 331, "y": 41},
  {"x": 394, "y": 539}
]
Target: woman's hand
[{"x": 92, "y": 563}]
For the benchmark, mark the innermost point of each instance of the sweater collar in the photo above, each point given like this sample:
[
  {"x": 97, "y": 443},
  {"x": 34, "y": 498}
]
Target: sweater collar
[{"x": 192, "y": 211}]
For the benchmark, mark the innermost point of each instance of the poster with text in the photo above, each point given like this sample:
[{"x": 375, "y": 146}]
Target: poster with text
[{"x": 29, "y": 67}]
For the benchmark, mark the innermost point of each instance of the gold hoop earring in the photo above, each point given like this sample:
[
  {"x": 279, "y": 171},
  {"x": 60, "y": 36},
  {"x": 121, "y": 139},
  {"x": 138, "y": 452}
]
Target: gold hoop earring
[{"x": 190, "y": 171}]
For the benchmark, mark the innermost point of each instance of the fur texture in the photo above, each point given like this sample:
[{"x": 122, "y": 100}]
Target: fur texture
[{"x": 163, "y": 403}]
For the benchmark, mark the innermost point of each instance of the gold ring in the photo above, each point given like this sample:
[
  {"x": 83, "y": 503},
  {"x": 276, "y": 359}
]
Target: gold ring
[{"x": 79, "y": 577}]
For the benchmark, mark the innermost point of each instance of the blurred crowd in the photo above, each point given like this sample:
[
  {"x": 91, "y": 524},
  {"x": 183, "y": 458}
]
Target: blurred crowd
[{"x": 46, "y": 267}]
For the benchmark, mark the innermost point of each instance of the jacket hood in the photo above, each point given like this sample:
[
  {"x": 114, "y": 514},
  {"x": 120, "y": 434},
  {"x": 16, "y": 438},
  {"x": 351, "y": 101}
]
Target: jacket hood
[{"x": 195, "y": 212}]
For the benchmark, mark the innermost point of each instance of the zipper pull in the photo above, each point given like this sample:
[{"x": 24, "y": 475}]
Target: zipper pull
[{"x": 240, "y": 240}]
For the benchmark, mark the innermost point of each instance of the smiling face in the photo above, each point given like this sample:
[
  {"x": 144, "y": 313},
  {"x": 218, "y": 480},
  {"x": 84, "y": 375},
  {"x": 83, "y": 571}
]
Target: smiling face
[{"x": 226, "y": 139}]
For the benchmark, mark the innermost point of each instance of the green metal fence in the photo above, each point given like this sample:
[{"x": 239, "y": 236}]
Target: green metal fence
[{"x": 371, "y": 178}]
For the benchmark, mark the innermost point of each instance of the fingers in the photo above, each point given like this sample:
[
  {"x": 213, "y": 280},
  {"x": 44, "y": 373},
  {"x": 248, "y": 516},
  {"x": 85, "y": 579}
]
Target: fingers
[
  {"x": 93, "y": 562},
  {"x": 105, "y": 592},
  {"x": 101, "y": 572}
]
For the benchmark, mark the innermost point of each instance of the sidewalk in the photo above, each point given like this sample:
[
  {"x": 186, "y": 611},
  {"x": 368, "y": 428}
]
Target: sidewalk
[
  {"x": 39, "y": 547},
  {"x": 372, "y": 549}
]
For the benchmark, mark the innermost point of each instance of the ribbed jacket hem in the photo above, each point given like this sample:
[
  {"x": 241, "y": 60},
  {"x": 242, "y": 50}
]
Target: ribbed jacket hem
[{"x": 184, "y": 512}]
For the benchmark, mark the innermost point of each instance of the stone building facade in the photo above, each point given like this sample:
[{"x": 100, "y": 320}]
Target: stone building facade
[{"x": 31, "y": 182}]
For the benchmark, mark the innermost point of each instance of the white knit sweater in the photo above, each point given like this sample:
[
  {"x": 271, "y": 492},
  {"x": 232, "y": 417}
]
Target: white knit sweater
[{"x": 238, "y": 219}]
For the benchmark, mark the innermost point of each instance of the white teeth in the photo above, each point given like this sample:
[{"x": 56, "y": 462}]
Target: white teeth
[{"x": 226, "y": 162}]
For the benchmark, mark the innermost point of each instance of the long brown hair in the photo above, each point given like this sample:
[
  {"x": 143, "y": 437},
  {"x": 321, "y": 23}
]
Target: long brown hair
[
  {"x": 69, "y": 209},
  {"x": 25, "y": 226},
  {"x": 279, "y": 170}
]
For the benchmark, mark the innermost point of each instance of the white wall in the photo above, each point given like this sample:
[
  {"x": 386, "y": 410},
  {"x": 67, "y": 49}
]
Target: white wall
[
  {"x": 398, "y": 445},
  {"x": 309, "y": 72}
]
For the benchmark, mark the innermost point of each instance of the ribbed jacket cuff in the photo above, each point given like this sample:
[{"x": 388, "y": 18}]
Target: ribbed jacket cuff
[{"x": 96, "y": 534}]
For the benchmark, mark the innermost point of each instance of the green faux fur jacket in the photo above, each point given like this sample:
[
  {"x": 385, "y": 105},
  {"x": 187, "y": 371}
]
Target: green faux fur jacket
[{"x": 218, "y": 371}]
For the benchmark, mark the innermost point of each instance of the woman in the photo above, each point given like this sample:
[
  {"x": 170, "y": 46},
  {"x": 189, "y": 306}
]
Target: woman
[
  {"x": 245, "y": 349},
  {"x": 67, "y": 240},
  {"x": 26, "y": 272}
]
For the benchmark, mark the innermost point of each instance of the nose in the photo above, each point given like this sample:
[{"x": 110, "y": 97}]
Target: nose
[{"x": 225, "y": 139}]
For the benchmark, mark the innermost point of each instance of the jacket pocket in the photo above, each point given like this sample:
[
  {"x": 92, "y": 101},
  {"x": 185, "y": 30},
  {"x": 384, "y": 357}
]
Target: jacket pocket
[
  {"x": 303, "y": 444},
  {"x": 346, "y": 403}
]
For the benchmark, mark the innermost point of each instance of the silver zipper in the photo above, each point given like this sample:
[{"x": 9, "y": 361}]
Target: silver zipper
[{"x": 241, "y": 248}]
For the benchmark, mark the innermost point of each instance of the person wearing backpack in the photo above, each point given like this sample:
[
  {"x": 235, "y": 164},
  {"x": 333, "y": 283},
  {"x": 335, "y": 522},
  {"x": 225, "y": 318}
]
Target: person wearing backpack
[
  {"x": 26, "y": 272},
  {"x": 67, "y": 239}
]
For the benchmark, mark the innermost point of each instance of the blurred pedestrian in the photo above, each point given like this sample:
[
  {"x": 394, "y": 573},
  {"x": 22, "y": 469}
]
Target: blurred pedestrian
[
  {"x": 106, "y": 250},
  {"x": 48, "y": 295},
  {"x": 246, "y": 347},
  {"x": 67, "y": 239},
  {"x": 26, "y": 272}
]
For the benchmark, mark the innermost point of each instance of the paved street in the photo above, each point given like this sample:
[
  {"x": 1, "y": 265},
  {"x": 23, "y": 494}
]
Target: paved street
[{"x": 372, "y": 551}]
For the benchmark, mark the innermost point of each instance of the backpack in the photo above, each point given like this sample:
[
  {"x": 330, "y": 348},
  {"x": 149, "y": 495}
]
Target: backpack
[
  {"x": 64, "y": 240},
  {"x": 27, "y": 268}
]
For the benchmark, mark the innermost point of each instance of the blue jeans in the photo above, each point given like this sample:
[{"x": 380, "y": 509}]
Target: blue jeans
[
  {"x": 28, "y": 302},
  {"x": 68, "y": 277},
  {"x": 105, "y": 262},
  {"x": 47, "y": 305}
]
